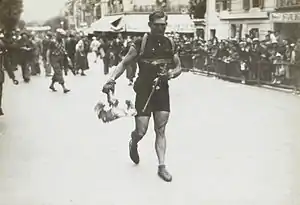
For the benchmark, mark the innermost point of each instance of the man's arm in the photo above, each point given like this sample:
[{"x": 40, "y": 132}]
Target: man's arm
[
  {"x": 174, "y": 73},
  {"x": 293, "y": 57},
  {"x": 121, "y": 67},
  {"x": 48, "y": 55}
]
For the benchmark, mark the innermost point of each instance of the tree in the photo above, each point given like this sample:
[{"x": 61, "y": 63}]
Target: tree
[
  {"x": 197, "y": 8},
  {"x": 21, "y": 24},
  {"x": 70, "y": 4},
  {"x": 55, "y": 23},
  {"x": 87, "y": 5},
  {"x": 10, "y": 13}
]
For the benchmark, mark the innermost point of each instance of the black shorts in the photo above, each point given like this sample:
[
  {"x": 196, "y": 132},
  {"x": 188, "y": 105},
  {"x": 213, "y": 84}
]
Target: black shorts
[{"x": 160, "y": 101}]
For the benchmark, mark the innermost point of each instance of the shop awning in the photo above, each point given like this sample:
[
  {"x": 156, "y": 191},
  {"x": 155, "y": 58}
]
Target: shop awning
[
  {"x": 180, "y": 23},
  {"x": 89, "y": 30},
  {"x": 136, "y": 23},
  {"x": 109, "y": 24},
  {"x": 38, "y": 28}
]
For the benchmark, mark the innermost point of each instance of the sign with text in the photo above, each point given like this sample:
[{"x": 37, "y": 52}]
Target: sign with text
[
  {"x": 290, "y": 17},
  {"x": 288, "y": 3}
]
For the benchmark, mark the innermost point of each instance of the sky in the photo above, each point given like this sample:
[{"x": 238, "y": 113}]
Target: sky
[{"x": 41, "y": 10}]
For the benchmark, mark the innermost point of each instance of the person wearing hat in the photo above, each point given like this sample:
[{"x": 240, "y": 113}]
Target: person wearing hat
[
  {"x": 244, "y": 54},
  {"x": 256, "y": 52},
  {"x": 71, "y": 50},
  {"x": 81, "y": 61},
  {"x": 131, "y": 69},
  {"x": 280, "y": 68},
  {"x": 35, "y": 62},
  {"x": 45, "y": 46},
  {"x": 56, "y": 55},
  {"x": 5, "y": 66},
  {"x": 94, "y": 47},
  {"x": 295, "y": 67},
  {"x": 158, "y": 63},
  {"x": 26, "y": 48}
]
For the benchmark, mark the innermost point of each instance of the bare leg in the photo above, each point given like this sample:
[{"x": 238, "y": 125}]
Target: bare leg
[
  {"x": 1, "y": 96},
  {"x": 160, "y": 121},
  {"x": 141, "y": 127}
]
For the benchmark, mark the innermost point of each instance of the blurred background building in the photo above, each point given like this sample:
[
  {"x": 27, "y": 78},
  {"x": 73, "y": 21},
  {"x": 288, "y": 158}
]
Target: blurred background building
[
  {"x": 286, "y": 18},
  {"x": 131, "y": 15},
  {"x": 234, "y": 18}
]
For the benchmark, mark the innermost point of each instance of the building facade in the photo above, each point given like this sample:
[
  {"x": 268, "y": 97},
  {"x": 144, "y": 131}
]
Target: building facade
[
  {"x": 111, "y": 7},
  {"x": 286, "y": 19},
  {"x": 213, "y": 21},
  {"x": 235, "y": 18},
  {"x": 132, "y": 15}
]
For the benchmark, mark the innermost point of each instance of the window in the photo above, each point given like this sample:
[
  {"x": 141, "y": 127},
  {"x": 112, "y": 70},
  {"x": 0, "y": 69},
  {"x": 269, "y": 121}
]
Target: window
[
  {"x": 248, "y": 4},
  {"x": 233, "y": 30},
  {"x": 254, "y": 33},
  {"x": 218, "y": 7},
  {"x": 255, "y": 3},
  {"x": 222, "y": 5},
  {"x": 200, "y": 33},
  {"x": 212, "y": 32}
]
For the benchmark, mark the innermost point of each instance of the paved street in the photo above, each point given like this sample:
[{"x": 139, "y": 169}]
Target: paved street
[{"x": 228, "y": 144}]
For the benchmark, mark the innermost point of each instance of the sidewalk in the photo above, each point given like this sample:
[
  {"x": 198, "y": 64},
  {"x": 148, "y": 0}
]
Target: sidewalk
[{"x": 266, "y": 85}]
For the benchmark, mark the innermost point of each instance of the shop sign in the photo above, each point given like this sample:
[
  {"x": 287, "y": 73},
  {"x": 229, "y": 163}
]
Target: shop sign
[
  {"x": 180, "y": 27},
  {"x": 288, "y": 3},
  {"x": 291, "y": 17}
]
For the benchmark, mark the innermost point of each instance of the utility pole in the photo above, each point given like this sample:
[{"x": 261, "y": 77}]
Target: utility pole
[
  {"x": 82, "y": 8},
  {"x": 75, "y": 14}
]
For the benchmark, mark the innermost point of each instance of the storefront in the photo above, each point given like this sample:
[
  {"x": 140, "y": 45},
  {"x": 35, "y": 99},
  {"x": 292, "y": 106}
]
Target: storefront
[
  {"x": 199, "y": 28},
  {"x": 138, "y": 23},
  {"x": 256, "y": 28},
  {"x": 288, "y": 24}
]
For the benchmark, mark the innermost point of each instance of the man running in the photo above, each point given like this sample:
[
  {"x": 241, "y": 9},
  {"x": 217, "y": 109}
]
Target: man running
[{"x": 152, "y": 48}]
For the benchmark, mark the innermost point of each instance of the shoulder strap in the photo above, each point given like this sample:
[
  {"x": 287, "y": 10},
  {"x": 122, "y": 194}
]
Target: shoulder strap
[
  {"x": 143, "y": 45},
  {"x": 172, "y": 44},
  {"x": 144, "y": 42}
]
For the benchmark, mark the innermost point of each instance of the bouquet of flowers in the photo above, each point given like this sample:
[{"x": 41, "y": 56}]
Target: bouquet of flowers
[{"x": 111, "y": 111}]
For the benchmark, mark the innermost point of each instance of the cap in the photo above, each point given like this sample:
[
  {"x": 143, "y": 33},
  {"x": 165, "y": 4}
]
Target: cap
[{"x": 268, "y": 43}]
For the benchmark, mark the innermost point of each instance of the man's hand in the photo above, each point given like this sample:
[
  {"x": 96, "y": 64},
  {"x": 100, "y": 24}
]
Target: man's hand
[
  {"x": 113, "y": 102},
  {"x": 165, "y": 76},
  {"x": 15, "y": 82},
  {"x": 109, "y": 86}
]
